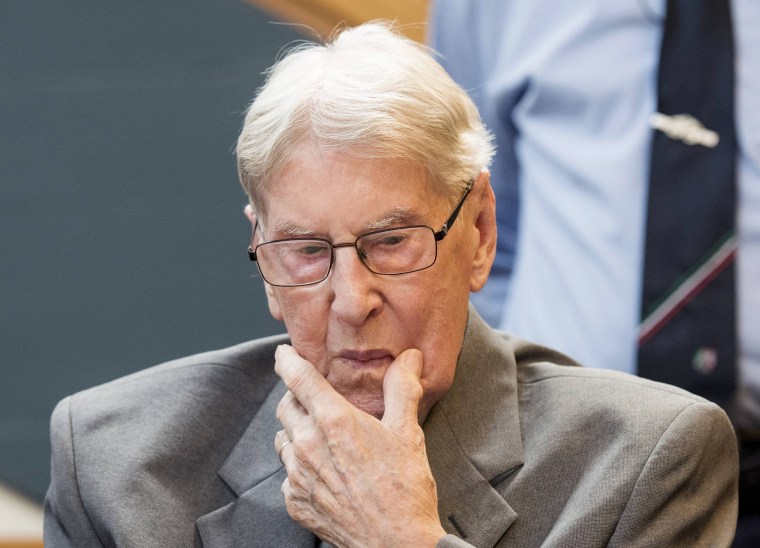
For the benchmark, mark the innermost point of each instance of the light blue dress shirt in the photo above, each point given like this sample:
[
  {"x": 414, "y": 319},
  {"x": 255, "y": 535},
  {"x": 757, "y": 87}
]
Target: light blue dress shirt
[{"x": 568, "y": 89}]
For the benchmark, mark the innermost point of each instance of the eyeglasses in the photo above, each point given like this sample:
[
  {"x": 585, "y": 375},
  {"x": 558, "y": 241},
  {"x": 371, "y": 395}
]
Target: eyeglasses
[{"x": 295, "y": 262}]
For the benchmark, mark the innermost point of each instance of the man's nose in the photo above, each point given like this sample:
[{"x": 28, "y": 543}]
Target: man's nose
[{"x": 354, "y": 288}]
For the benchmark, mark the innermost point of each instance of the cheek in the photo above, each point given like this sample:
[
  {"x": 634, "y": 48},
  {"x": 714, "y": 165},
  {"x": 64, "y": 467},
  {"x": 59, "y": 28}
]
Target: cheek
[
  {"x": 437, "y": 376},
  {"x": 296, "y": 306},
  {"x": 438, "y": 333},
  {"x": 306, "y": 327},
  {"x": 437, "y": 381}
]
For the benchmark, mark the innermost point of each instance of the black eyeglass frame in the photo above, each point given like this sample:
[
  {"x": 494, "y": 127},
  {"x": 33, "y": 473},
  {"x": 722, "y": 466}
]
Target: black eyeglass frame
[{"x": 438, "y": 236}]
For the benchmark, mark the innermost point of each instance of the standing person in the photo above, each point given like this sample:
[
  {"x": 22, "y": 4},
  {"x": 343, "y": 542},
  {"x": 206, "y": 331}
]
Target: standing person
[{"x": 569, "y": 89}]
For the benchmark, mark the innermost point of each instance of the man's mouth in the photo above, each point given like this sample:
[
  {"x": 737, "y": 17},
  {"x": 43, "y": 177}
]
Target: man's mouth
[{"x": 366, "y": 359}]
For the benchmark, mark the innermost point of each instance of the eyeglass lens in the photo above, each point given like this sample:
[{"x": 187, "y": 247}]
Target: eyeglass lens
[{"x": 302, "y": 262}]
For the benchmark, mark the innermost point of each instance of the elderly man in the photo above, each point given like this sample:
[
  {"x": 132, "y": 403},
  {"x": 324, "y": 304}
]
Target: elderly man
[{"x": 390, "y": 415}]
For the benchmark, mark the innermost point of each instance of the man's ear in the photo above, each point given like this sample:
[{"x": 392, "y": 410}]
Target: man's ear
[
  {"x": 274, "y": 305},
  {"x": 249, "y": 214},
  {"x": 485, "y": 230}
]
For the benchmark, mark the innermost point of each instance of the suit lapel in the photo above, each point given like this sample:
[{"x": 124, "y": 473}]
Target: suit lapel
[
  {"x": 258, "y": 516},
  {"x": 473, "y": 438}
]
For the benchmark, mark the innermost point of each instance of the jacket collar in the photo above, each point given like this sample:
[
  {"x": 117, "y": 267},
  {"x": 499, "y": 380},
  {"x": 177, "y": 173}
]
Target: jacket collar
[{"x": 472, "y": 437}]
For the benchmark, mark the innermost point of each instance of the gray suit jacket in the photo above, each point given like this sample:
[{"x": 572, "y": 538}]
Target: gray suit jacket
[{"x": 526, "y": 450}]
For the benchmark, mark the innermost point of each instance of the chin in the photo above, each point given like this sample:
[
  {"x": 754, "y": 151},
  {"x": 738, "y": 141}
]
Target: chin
[{"x": 371, "y": 405}]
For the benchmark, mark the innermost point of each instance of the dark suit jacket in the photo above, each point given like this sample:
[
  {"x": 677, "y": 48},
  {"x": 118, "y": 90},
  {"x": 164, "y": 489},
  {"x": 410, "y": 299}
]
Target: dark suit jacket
[{"x": 526, "y": 450}]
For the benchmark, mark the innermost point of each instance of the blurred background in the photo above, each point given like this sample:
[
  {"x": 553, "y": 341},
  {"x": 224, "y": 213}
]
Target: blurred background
[{"x": 122, "y": 239}]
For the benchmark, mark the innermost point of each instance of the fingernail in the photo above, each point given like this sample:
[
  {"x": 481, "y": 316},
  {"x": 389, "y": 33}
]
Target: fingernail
[{"x": 413, "y": 358}]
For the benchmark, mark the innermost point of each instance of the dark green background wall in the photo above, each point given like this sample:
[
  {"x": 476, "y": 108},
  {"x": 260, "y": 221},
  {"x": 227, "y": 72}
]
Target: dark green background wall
[{"x": 122, "y": 239}]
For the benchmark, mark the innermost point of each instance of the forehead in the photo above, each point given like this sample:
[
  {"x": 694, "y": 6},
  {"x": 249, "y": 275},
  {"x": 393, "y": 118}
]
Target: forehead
[{"x": 328, "y": 190}]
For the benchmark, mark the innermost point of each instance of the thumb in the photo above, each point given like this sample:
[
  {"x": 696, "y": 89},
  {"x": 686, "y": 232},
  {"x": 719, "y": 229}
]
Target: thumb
[{"x": 402, "y": 390}]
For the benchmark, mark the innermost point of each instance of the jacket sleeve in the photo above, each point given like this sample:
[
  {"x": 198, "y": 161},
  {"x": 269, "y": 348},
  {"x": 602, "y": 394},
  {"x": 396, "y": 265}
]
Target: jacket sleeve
[
  {"x": 687, "y": 492},
  {"x": 451, "y": 541},
  {"x": 66, "y": 520}
]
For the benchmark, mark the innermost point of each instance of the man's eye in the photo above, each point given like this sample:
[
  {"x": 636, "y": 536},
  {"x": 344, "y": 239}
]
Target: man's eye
[
  {"x": 311, "y": 249},
  {"x": 392, "y": 239}
]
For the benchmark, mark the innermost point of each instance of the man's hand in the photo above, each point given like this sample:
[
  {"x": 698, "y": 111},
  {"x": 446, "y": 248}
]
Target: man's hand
[{"x": 355, "y": 480}]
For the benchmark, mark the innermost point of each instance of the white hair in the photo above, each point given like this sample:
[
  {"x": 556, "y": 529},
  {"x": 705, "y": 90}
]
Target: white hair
[{"x": 371, "y": 93}]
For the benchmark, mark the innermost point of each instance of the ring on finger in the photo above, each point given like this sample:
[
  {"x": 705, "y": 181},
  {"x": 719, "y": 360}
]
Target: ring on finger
[{"x": 282, "y": 448}]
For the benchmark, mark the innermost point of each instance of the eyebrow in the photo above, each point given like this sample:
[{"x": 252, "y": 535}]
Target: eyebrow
[
  {"x": 397, "y": 215},
  {"x": 286, "y": 228}
]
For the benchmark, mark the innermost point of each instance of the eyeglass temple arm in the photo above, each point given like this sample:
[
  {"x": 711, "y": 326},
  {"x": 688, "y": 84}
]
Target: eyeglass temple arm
[
  {"x": 441, "y": 234},
  {"x": 251, "y": 251}
]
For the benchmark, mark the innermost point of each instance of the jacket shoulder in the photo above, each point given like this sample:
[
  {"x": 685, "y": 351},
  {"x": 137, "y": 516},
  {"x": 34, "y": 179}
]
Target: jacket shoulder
[
  {"x": 634, "y": 451},
  {"x": 214, "y": 392},
  {"x": 249, "y": 359},
  {"x": 155, "y": 440},
  {"x": 542, "y": 370}
]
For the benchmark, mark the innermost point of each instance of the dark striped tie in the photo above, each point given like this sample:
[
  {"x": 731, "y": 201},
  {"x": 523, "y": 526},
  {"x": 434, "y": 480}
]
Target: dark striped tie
[{"x": 687, "y": 335}]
